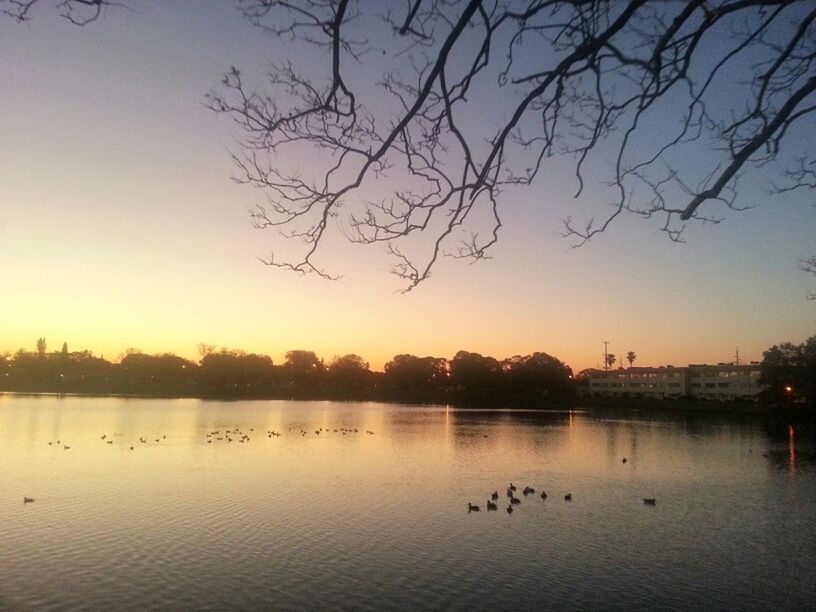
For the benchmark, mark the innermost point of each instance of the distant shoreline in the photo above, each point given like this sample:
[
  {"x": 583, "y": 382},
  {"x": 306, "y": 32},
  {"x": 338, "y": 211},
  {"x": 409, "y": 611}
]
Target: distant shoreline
[{"x": 587, "y": 404}]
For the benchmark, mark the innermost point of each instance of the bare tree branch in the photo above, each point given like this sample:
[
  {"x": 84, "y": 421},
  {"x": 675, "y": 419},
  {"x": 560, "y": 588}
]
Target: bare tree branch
[
  {"x": 630, "y": 90},
  {"x": 78, "y": 12}
]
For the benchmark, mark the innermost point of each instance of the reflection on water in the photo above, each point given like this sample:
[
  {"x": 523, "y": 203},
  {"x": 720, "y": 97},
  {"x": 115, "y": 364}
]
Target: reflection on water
[{"x": 346, "y": 519}]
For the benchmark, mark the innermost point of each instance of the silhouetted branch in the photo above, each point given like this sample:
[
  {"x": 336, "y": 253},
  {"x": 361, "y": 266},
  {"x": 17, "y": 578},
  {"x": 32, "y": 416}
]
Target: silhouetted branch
[
  {"x": 78, "y": 12},
  {"x": 630, "y": 90}
]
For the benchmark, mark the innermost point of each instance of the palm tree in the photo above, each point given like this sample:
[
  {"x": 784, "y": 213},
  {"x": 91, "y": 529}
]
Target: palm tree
[
  {"x": 630, "y": 357},
  {"x": 610, "y": 360}
]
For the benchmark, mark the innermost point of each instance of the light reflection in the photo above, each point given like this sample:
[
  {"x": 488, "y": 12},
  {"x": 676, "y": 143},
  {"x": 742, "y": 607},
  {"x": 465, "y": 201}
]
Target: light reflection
[{"x": 791, "y": 448}]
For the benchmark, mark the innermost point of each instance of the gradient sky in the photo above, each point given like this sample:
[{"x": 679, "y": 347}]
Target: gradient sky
[{"x": 120, "y": 227}]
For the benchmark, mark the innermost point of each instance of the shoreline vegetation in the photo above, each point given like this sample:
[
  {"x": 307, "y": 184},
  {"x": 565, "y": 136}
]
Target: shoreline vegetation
[{"x": 537, "y": 381}]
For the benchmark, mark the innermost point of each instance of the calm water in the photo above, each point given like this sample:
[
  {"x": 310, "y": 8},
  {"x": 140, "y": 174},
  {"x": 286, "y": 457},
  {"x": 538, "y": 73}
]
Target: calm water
[{"x": 379, "y": 521}]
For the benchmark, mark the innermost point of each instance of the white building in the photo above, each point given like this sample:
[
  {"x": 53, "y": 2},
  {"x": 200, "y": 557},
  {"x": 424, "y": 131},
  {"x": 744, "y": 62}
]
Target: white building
[
  {"x": 724, "y": 381},
  {"x": 701, "y": 381}
]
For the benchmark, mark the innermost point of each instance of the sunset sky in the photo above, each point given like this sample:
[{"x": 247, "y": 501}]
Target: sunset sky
[{"x": 120, "y": 227}]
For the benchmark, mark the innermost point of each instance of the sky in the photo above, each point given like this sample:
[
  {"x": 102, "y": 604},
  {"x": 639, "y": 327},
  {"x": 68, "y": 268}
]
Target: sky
[{"x": 120, "y": 227}]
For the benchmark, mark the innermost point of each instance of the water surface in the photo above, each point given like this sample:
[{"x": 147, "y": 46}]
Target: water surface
[{"x": 352, "y": 520}]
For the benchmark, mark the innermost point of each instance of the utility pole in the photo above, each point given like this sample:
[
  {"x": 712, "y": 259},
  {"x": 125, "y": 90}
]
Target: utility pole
[
  {"x": 606, "y": 355},
  {"x": 736, "y": 357}
]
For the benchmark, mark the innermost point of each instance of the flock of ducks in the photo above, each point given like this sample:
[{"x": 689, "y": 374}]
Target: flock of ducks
[
  {"x": 225, "y": 435},
  {"x": 492, "y": 503},
  {"x": 243, "y": 437},
  {"x": 230, "y": 435},
  {"x": 218, "y": 435},
  {"x": 108, "y": 440}
]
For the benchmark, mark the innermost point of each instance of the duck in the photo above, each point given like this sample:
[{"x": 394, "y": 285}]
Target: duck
[
  {"x": 66, "y": 447},
  {"x": 515, "y": 500},
  {"x": 103, "y": 436},
  {"x": 131, "y": 448},
  {"x": 27, "y": 500},
  {"x": 512, "y": 487},
  {"x": 509, "y": 509},
  {"x": 491, "y": 505},
  {"x": 568, "y": 497},
  {"x": 472, "y": 507},
  {"x": 543, "y": 495},
  {"x": 649, "y": 501},
  {"x": 623, "y": 460},
  {"x": 528, "y": 490},
  {"x": 495, "y": 495},
  {"x": 109, "y": 442}
]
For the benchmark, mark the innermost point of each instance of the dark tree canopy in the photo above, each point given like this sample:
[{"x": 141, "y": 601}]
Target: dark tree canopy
[
  {"x": 788, "y": 372},
  {"x": 424, "y": 112}
]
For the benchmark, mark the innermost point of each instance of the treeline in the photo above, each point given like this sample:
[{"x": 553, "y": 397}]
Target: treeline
[
  {"x": 467, "y": 378},
  {"x": 788, "y": 372}
]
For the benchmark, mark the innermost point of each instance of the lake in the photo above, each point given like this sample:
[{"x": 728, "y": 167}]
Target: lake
[{"x": 345, "y": 519}]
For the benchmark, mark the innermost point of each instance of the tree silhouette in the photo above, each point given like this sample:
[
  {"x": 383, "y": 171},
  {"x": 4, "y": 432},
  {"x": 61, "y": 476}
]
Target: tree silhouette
[
  {"x": 538, "y": 372},
  {"x": 472, "y": 371},
  {"x": 412, "y": 374},
  {"x": 349, "y": 375},
  {"x": 41, "y": 347},
  {"x": 630, "y": 357},
  {"x": 304, "y": 368},
  {"x": 610, "y": 360},
  {"x": 631, "y": 91},
  {"x": 788, "y": 372}
]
